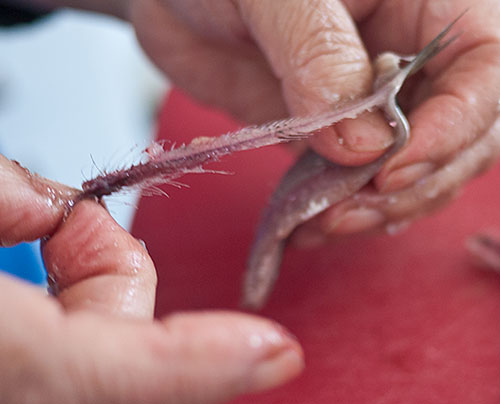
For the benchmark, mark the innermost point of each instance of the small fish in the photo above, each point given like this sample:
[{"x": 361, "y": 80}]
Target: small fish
[{"x": 314, "y": 184}]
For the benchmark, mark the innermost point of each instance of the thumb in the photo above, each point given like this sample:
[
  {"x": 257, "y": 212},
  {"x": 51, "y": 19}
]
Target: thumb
[
  {"x": 314, "y": 49},
  {"x": 185, "y": 358},
  {"x": 52, "y": 356}
]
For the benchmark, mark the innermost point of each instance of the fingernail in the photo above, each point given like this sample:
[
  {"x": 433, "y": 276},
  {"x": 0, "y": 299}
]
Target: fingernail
[
  {"x": 405, "y": 176},
  {"x": 277, "y": 371},
  {"x": 307, "y": 238},
  {"x": 143, "y": 244},
  {"x": 354, "y": 221},
  {"x": 367, "y": 133},
  {"x": 283, "y": 361}
]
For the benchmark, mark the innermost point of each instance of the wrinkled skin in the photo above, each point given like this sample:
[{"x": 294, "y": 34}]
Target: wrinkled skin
[
  {"x": 96, "y": 341},
  {"x": 260, "y": 60}
]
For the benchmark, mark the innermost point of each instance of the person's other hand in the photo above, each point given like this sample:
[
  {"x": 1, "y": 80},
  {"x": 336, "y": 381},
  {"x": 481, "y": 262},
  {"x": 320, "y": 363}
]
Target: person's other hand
[
  {"x": 262, "y": 60},
  {"x": 95, "y": 341}
]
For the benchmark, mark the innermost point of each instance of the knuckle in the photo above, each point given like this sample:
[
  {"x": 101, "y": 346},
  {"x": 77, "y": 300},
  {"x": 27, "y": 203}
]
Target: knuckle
[{"x": 326, "y": 55}]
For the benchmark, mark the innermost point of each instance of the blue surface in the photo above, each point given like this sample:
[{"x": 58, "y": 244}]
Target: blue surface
[{"x": 24, "y": 261}]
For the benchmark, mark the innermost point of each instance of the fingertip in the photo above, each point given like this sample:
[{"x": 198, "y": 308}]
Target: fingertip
[
  {"x": 356, "y": 220},
  {"x": 369, "y": 132},
  {"x": 338, "y": 221},
  {"x": 307, "y": 237},
  {"x": 354, "y": 141},
  {"x": 203, "y": 357},
  {"x": 32, "y": 206},
  {"x": 277, "y": 371},
  {"x": 234, "y": 353},
  {"x": 399, "y": 178},
  {"x": 95, "y": 264}
]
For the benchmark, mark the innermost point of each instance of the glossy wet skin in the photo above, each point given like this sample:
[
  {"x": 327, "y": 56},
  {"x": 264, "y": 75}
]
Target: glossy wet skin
[
  {"x": 314, "y": 184},
  {"x": 191, "y": 353},
  {"x": 310, "y": 187},
  {"x": 450, "y": 110},
  {"x": 95, "y": 340}
]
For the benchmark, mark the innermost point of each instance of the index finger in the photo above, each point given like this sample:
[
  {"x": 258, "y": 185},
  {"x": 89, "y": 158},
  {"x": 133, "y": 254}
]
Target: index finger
[
  {"x": 95, "y": 264},
  {"x": 31, "y": 207}
]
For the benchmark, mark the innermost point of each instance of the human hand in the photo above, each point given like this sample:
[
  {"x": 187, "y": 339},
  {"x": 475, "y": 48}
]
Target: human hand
[
  {"x": 95, "y": 341},
  {"x": 259, "y": 59}
]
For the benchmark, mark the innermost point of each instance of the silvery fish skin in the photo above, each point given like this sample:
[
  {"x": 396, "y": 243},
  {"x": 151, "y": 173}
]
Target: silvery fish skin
[{"x": 314, "y": 184}]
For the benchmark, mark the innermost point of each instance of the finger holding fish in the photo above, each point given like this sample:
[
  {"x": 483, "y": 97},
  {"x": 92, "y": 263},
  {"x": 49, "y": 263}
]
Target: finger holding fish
[
  {"x": 369, "y": 210},
  {"x": 451, "y": 106},
  {"x": 456, "y": 97},
  {"x": 314, "y": 184}
]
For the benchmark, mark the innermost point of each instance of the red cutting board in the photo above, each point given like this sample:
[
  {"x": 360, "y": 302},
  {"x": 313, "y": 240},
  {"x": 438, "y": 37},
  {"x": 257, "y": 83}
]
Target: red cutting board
[{"x": 385, "y": 319}]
